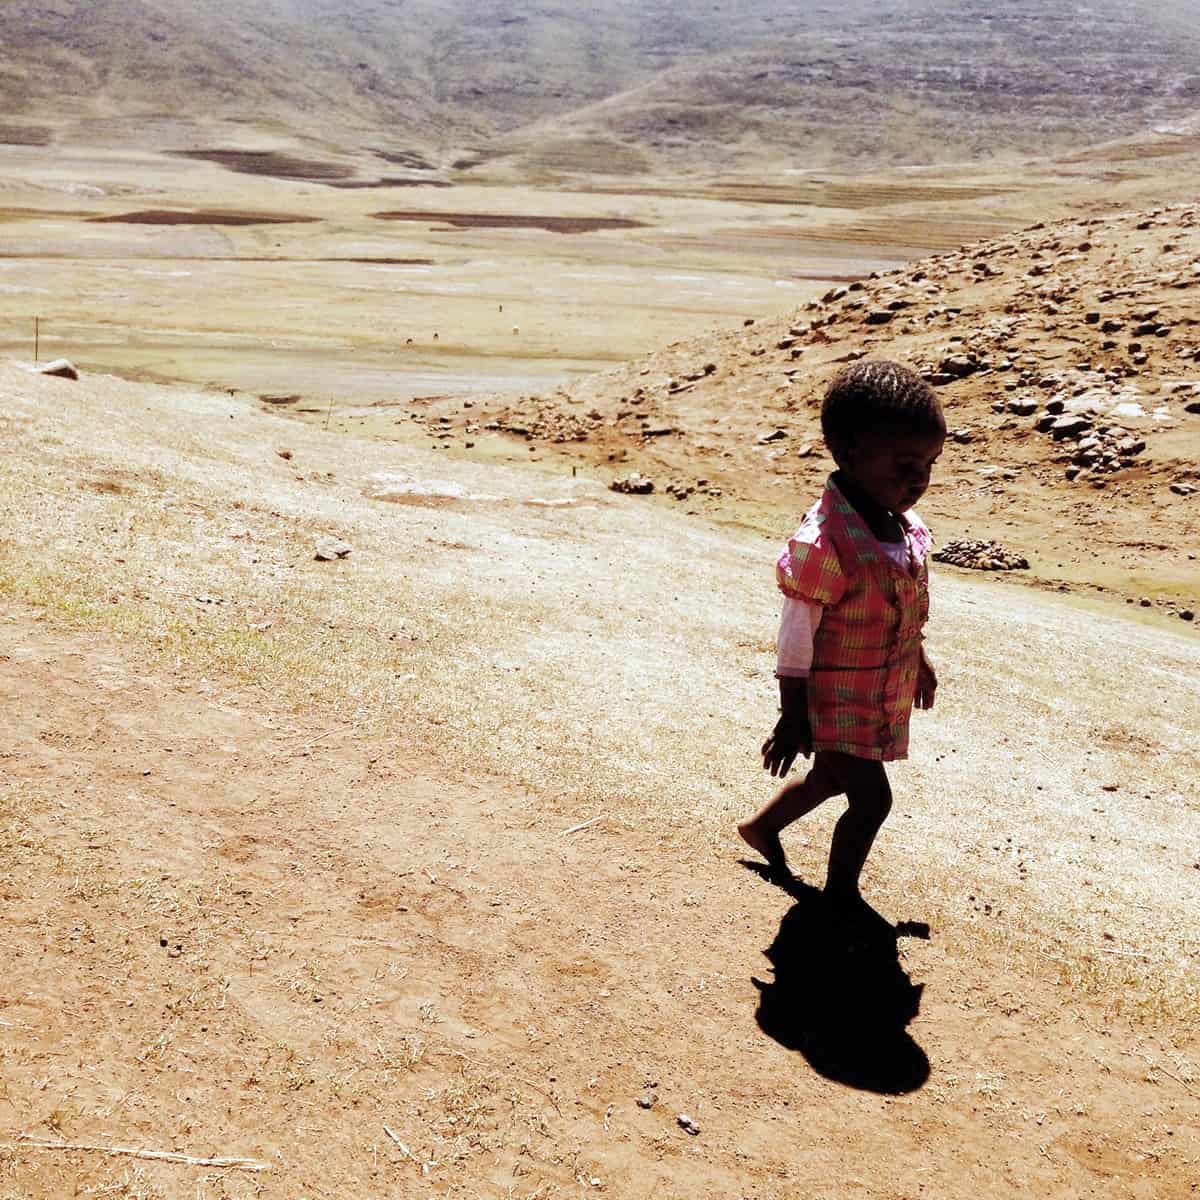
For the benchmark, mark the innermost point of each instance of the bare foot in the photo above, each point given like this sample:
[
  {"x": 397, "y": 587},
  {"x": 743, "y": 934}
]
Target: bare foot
[{"x": 767, "y": 844}]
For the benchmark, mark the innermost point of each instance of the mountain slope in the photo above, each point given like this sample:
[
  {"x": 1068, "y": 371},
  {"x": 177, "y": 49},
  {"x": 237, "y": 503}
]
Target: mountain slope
[{"x": 654, "y": 84}]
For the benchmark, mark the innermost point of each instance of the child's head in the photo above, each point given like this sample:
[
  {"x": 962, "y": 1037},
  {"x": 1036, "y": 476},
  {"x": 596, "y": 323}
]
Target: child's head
[{"x": 884, "y": 426}]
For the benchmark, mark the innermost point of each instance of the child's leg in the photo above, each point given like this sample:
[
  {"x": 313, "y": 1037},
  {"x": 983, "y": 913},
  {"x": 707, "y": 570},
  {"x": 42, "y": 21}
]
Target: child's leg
[
  {"x": 870, "y": 800},
  {"x": 762, "y": 831}
]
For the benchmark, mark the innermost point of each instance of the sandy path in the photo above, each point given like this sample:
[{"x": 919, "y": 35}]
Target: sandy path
[{"x": 363, "y": 943}]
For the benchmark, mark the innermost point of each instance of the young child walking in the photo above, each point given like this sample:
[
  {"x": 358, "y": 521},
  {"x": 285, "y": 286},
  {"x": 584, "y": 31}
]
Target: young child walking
[{"x": 851, "y": 661}]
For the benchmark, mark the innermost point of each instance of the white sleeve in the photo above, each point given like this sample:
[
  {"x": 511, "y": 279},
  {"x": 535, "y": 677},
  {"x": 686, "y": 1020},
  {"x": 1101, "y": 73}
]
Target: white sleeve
[{"x": 797, "y": 627}]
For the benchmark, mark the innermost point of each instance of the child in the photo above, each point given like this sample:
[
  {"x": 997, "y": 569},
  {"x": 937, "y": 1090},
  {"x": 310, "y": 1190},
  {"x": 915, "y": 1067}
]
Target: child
[{"x": 856, "y": 587}]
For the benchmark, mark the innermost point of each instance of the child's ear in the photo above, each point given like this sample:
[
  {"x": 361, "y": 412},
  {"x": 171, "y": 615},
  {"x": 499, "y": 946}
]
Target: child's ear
[{"x": 842, "y": 448}]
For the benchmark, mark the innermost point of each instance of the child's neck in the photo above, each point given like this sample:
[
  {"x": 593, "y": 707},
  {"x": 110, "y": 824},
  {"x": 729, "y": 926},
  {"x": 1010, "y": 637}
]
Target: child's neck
[{"x": 882, "y": 522}]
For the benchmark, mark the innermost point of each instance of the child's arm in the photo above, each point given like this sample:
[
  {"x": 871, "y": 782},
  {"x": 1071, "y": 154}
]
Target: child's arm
[
  {"x": 793, "y": 733},
  {"x": 926, "y": 682}
]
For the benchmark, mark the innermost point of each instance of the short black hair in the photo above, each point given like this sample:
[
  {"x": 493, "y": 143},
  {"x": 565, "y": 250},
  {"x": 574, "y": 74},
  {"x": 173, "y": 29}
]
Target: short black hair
[{"x": 869, "y": 394}]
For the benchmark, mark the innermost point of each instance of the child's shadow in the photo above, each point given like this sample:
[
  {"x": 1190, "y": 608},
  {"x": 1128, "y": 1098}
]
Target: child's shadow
[{"x": 840, "y": 996}]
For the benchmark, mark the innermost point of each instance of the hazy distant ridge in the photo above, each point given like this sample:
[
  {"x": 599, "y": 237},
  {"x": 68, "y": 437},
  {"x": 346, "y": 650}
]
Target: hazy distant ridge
[{"x": 638, "y": 83}]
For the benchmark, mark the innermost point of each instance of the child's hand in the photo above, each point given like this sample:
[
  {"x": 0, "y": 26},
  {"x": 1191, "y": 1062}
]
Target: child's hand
[
  {"x": 926, "y": 683},
  {"x": 791, "y": 736}
]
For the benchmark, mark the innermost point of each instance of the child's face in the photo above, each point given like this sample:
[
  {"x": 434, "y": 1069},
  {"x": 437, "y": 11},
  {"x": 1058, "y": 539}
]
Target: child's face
[{"x": 892, "y": 467}]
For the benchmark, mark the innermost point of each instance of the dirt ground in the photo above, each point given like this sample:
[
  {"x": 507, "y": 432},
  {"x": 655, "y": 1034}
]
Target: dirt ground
[
  {"x": 413, "y": 872},
  {"x": 233, "y": 934}
]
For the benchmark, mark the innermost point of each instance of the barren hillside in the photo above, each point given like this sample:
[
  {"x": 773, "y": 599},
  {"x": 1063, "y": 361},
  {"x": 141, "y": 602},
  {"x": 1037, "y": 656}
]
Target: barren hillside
[
  {"x": 611, "y": 87},
  {"x": 1068, "y": 358},
  {"x": 412, "y": 871}
]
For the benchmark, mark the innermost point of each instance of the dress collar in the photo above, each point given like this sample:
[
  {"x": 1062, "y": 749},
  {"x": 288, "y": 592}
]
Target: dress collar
[{"x": 865, "y": 544}]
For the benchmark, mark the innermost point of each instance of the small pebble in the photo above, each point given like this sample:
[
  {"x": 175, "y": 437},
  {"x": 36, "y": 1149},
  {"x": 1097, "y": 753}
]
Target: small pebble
[{"x": 687, "y": 1124}]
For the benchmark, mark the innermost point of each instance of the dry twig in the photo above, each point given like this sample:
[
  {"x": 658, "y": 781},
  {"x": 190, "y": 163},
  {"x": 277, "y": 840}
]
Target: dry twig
[
  {"x": 582, "y": 825},
  {"x": 229, "y": 1164}
]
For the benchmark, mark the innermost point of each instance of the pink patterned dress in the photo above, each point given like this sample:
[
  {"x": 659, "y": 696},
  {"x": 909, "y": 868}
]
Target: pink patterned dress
[{"x": 867, "y": 646}]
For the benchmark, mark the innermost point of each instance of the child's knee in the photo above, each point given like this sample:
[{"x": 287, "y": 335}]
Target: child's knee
[
  {"x": 871, "y": 804},
  {"x": 867, "y": 789}
]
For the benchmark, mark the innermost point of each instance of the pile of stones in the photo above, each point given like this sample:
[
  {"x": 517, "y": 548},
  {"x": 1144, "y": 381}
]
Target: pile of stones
[
  {"x": 1102, "y": 451},
  {"x": 981, "y": 556},
  {"x": 1090, "y": 444}
]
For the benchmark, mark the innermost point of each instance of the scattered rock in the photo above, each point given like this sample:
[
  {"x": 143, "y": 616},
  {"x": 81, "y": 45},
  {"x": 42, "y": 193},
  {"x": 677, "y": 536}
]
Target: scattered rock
[
  {"x": 284, "y": 453},
  {"x": 959, "y": 366},
  {"x": 1186, "y": 614},
  {"x": 1023, "y": 406},
  {"x": 1070, "y": 426},
  {"x": 687, "y": 1124},
  {"x": 1106, "y": 451},
  {"x": 633, "y": 485},
  {"x": 329, "y": 548},
  {"x": 981, "y": 556},
  {"x": 878, "y": 316},
  {"x": 776, "y": 435},
  {"x": 60, "y": 368},
  {"x": 1182, "y": 489},
  {"x": 647, "y": 1100}
]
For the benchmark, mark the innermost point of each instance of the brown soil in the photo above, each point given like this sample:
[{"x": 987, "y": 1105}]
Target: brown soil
[
  {"x": 272, "y": 163},
  {"x": 390, "y": 181},
  {"x": 25, "y": 135},
  {"x": 238, "y": 931},
  {"x": 386, "y": 262},
  {"x": 510, "y": 221},
  {"x": 168, "y": 216},
  {"x": 410, "y": 874}
]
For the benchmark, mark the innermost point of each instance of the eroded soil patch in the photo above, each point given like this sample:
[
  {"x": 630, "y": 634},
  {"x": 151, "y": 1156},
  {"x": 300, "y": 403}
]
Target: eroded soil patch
[
  {"x": 467, "y": 220},
  {"x": 389, "y": 181},
  {"x": 406, "y": 158},
  {"x": 167, "y": 216},
  {"x": 24, "y": 135},
  {"x": 270, "y": 162}
]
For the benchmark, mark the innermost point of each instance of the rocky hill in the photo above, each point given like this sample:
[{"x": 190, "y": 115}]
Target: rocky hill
[
  {"x": 1068, "y": 360},
  {"x": 611, "y": 86}
]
